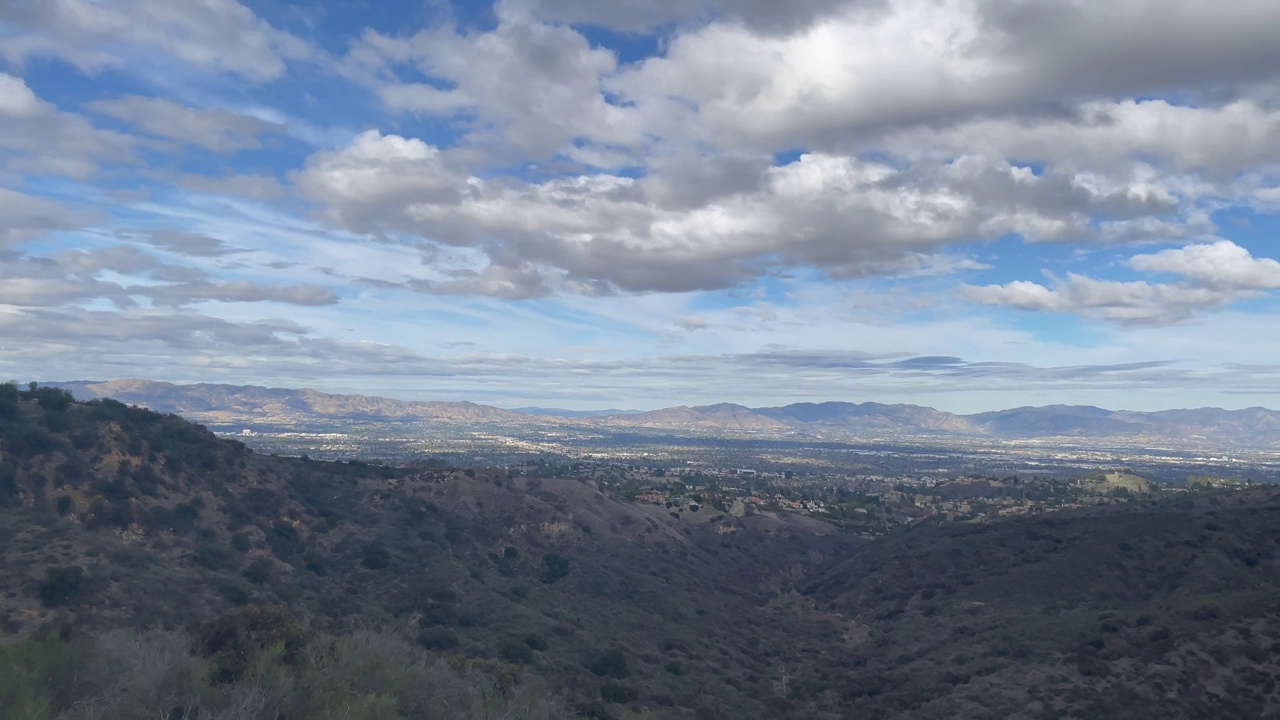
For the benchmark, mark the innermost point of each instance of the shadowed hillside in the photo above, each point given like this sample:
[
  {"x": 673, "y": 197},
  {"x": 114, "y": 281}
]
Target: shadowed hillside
[{"x": 114, "y": 517}]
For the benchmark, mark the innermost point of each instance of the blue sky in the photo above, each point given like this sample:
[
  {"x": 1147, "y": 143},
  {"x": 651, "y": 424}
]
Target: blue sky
[{"x": 641, "y": 204}]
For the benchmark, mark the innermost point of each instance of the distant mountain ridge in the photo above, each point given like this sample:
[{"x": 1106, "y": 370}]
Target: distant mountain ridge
[
  {"x": 207, "y": 401},
  {"x": 214, "y": 403}
]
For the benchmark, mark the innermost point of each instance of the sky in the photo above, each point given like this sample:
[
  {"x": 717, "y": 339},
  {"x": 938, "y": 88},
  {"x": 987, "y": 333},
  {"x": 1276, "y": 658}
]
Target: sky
[{"x": 968, "y": 204}]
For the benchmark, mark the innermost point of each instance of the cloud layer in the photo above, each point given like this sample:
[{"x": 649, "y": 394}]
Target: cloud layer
[{"x": 587, "y": 194}]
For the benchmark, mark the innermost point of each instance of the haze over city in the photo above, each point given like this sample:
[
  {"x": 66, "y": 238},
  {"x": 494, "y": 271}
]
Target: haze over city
[{"x": 971, "y": 204}]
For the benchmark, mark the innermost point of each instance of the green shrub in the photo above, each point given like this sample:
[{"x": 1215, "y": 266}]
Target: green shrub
[
  {"x": 61, "y": 585},
  {"x": 554, "y": 568},
  {"x": 615, "y": 693},
  {"x": 375, "y": 556},
  {"x": 259, "y": 571},
  {"x": 235, "y": 641},
  {"x": 516, "y": 652},
  {"x": 438, "y": 638},
  {"x": 609, "y": 663}
]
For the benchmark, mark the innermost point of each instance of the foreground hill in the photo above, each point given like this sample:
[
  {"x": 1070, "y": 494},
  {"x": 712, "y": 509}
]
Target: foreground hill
[
  {"x": 120, "y": 517},
  {"x": 230, "y": 404},
  {"x": 115, "y": 517},
  {"x": 1165, "y": 610}
]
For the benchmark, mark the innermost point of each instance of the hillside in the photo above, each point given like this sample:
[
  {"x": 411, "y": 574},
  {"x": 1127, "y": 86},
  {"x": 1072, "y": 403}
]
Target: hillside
[
  {"x": 232, "y": 404},
  {"x": 115, "y": 517},
  {"x": 1159, "y": 610}
]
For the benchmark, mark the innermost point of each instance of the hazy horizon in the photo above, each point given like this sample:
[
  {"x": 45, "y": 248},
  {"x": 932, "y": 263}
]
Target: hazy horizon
[{"x": 640, "y": 406}]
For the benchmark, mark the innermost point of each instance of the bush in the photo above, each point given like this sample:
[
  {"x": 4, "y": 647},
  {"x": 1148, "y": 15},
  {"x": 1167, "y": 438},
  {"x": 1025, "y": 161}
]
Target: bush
[
  {"x": 439, "y": 639},
  {"x": 621, "y": 694},
  {"x": 61, "y": 585},
  {"x": 554, "y": 568},
  {"x": 375, "y": 556},
  {"x": 366, "y": 676},
  {"x": 609, "y": 663},
  {"x": 516, "y": 653},
  {"x": 258, "y": 572},
  {"x": 235, "y": 641}
]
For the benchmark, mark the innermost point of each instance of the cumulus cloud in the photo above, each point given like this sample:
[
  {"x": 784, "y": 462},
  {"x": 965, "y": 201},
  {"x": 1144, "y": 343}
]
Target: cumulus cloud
[
  {"x": 936, "y": 62},
  {"x": 1221, "y": 265},
  {"x": 929, "y": 124},
  {"x": 1213, "y": 275},
  {"x": 850, "y": 217},
  {"x": 531, "y": 87}
]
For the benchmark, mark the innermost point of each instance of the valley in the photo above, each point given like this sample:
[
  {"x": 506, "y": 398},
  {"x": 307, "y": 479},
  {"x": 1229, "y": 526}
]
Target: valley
[{"x": 610, "y": 591}]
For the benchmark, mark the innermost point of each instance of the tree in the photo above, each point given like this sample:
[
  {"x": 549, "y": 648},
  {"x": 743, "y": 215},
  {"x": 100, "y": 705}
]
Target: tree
[
  {"x": 554, "y": 567},
  {"x": 376, "y": 556},
  {"x": 8, "y": 399},
  {"x": 61, "y": 585}
]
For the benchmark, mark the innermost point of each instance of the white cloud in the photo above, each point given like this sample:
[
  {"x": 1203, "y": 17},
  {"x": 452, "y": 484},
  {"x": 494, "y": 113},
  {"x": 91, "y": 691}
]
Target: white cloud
[
  {"x": 849, "y": 217},
  {"x": 17, "y": 101},
  {"x": 1214, "y": 275},
  {"x": 526, "y": 87},
  {"x": 212, "y": 34},
  {"x": 215, "y": 129},
  {"x": 23, "y": 217},
  {"x": 1220, "y": 265},
  {"x": 935, "y": 62},
  {"x": 38, "y": 138}
]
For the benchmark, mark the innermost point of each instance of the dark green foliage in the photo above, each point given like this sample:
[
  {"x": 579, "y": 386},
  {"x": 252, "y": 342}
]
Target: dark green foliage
[
  {"x": 285, "y": 541},
  {"x": 259, "y": 571},
  {"x": 374, "y": 556},
  {"x": 615, "y": 693},
  {"x": 439, "y": 639},
  {"x": 53, "y": 399},
  {"x": 365, "y": 676},
  {"x": 42, "y": 675},
  {"x": 8, "y": 400},
  {"x": 63, "y": 504},
  {"x": 554, "y": 568},
  {"x": 516, "y": 652},
  {"x": 235, "y": 640},
  {"x": 608, "y": 663},
  {"x": 62, "y": 585},
  {"x": 9, "y": 488}
]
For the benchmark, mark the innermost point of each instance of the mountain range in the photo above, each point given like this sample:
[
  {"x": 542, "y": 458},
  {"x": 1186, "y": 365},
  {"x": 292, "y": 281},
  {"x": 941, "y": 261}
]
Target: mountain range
[{"x": 1255, "y": 427}]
